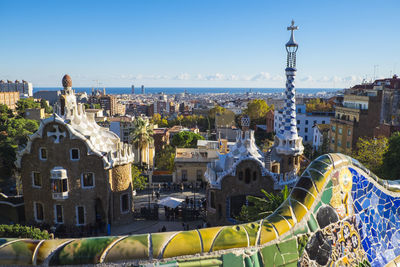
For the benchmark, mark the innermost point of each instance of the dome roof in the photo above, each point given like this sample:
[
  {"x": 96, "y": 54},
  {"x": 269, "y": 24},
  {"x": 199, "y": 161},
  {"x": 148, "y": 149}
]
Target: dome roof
[{"x": 66, "y": 81}]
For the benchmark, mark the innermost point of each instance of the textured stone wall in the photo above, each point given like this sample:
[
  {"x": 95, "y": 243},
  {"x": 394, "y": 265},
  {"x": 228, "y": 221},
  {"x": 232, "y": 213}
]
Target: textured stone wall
[
  {"x": 121, "y": 177},
  {"x": 122, "y": 184},
  {"x": 233, "y": 186},
  {"x": 59, "y": 155}
]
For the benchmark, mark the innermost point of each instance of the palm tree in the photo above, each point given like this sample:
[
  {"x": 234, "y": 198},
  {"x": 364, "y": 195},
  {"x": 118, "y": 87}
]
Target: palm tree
[{"x": 141, "y": 136}]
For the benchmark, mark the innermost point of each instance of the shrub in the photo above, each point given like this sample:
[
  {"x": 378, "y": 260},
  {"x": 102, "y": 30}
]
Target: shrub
[{"x": 21, "y": 231}]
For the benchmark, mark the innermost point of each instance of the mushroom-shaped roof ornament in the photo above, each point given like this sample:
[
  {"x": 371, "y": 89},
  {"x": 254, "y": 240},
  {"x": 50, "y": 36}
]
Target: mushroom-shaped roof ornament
[{"x": 66, "y": 81}]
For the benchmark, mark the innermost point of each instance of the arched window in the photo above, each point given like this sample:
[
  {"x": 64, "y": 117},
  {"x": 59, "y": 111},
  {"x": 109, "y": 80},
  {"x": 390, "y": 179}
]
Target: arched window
[
  {"x": 240, "y": 176},
  {"x": 254, "y": 175},
  {"x": 247, "y": 176}
]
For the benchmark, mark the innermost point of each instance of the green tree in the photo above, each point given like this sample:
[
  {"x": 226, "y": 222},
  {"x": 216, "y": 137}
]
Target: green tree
[
  {"x": 257, "y": 109},
  {"x": 261, "y": 207},
  {"x": 139, "y": 181},
  {"x": 370, "y": 151},
  {"x": 186, "y": 139},
  {"x": 141, "y": 135},
  {"x": 24, "y": 104},
  {"x": 13, "y": 133},
  {"x": 90, "y": 106},
  {"x": 20, "y": 231},
  {"x": 391, "y": 166},
  {"x": 216, "y": 110},
  {"x": 318, "y": 104},
  {"x": 43, "y": 104},
  {"x": 165, "y": 159},
  {"x": 5, "y": 113}
]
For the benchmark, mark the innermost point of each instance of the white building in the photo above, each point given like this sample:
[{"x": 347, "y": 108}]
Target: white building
[
  {"x": 305, "y": 121},
  {"x": 319, "y": 130},
  {"x": 24, "y": 88}
]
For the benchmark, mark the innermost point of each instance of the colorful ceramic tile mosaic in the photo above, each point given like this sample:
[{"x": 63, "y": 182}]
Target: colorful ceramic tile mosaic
[{"x": 338, "y": 214}]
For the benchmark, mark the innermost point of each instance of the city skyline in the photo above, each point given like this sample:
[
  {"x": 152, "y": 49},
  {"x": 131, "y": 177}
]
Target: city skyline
[{"x": 197, "y": 44}]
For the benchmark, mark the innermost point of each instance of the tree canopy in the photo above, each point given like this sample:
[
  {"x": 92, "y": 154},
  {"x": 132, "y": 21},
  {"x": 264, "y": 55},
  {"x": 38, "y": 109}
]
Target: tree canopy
[
  {"x": 318, "y": 104},
  {"x": 186, "y": 139},
  {"x": 139, "y": 181},
  {"x": 165, "y": 158},
  {"x": 391, "y": 166},
  {"x": 370, "y": 151},
  {"x": 257, "y": 109},
  {"x": 14, "y": 132},
  {"x": 26, "y": 103}
]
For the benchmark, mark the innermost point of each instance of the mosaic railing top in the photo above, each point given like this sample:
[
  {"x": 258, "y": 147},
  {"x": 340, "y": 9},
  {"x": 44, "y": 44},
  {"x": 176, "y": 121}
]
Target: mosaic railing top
[{"x": 329, "y": 191}]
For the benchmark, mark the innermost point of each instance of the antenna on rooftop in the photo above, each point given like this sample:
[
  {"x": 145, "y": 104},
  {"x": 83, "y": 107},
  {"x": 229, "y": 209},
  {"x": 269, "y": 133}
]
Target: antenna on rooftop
[{"x": 376, "y": 71}]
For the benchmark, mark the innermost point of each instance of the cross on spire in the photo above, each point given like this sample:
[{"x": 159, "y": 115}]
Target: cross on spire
[{"x": 292, "y": 27}]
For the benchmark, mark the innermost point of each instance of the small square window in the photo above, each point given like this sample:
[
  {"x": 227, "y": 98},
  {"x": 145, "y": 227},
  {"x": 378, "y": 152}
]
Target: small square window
[
  {"x": 306, "y": 122},
  {"x": 38, "y": 208},
  {"x": 184, "y": 176},
  {"x": 87, "y": 180},
  {"x": 333, "y": 128},
  {"x": 339, "y": 143},
  {"x": 58, "y": 214},
  {"x": 36, "y": 179},
  {"x": 348, "y": 144},
  {"x": 80, "y": 215},
  {"x": 298, "y": 121},
  {"x": 43, "y": 153},
  {"x": 348, "y": 132},
  {"x": 74, "y": 154},
  {"x": 306, "y": 130},
  {"x": 306, "y": 137},
  {"x": 323, "y": 122},
  {"x": 340, "y": 130},
  {"x": 124, "y": 203}
]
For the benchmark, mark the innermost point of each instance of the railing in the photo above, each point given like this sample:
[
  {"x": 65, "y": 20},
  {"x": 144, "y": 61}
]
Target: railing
[{"x": 62, "y": 195}]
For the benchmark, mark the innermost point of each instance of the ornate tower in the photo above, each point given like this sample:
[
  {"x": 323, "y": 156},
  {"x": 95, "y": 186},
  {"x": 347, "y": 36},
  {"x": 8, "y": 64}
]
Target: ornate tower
[{"x": 288, "y": 144}]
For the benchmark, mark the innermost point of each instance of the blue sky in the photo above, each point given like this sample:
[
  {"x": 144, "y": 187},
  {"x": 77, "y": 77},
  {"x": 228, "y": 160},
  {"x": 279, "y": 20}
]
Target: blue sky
[{"x": 207, "y": 43}]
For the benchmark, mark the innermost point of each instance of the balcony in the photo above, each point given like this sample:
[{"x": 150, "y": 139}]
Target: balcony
[{"x": 60, "y": 196}]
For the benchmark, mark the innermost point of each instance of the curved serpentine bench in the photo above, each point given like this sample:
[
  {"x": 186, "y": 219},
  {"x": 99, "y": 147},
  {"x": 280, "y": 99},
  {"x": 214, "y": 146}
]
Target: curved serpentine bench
[{"x": 338, "y": 213}]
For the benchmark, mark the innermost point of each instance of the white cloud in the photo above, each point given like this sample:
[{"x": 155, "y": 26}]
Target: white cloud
[
  {"x": 307, "y": 79},
  {"x": 262, "y": 76},
  {"x": 183, "y": 77}
]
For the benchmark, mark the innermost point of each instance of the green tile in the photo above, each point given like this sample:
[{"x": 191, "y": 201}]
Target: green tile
[
  {"x": 301, "y": 229},
  {"x": 312, "y": 224},
  {"x": 319, "y": 204},
  {"x": 82, "y": 251},
  {"x": 327, "y": 195},
  {"x": 289, "y": 246},
  {"x": 272, "y": 256},
  {"x": 231, "y": 260}
]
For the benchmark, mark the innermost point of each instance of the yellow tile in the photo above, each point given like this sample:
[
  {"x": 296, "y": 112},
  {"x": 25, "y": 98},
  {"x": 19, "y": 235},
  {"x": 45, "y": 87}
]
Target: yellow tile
[
  {"x": 267, "y": 233},
  {"x": 130, "y": 248},
  {"x": 231, "y": 237},
  {"x": 285, "y": 212},
  {"x": 252, "y": 231},
  {"x": 299, "y": 210},
  {"x": 47, "y": 247},
  {"x": 208, "y": 235},
  {"x": 280, "y": 224},
  {"x": 184, "y": 243},
  {"x": 159, "y": 240}
]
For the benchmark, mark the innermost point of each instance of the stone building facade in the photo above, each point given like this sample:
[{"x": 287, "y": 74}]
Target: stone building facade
[
  {"x": 74, "y": 172},
  {"x": 9, "y": 99}
]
